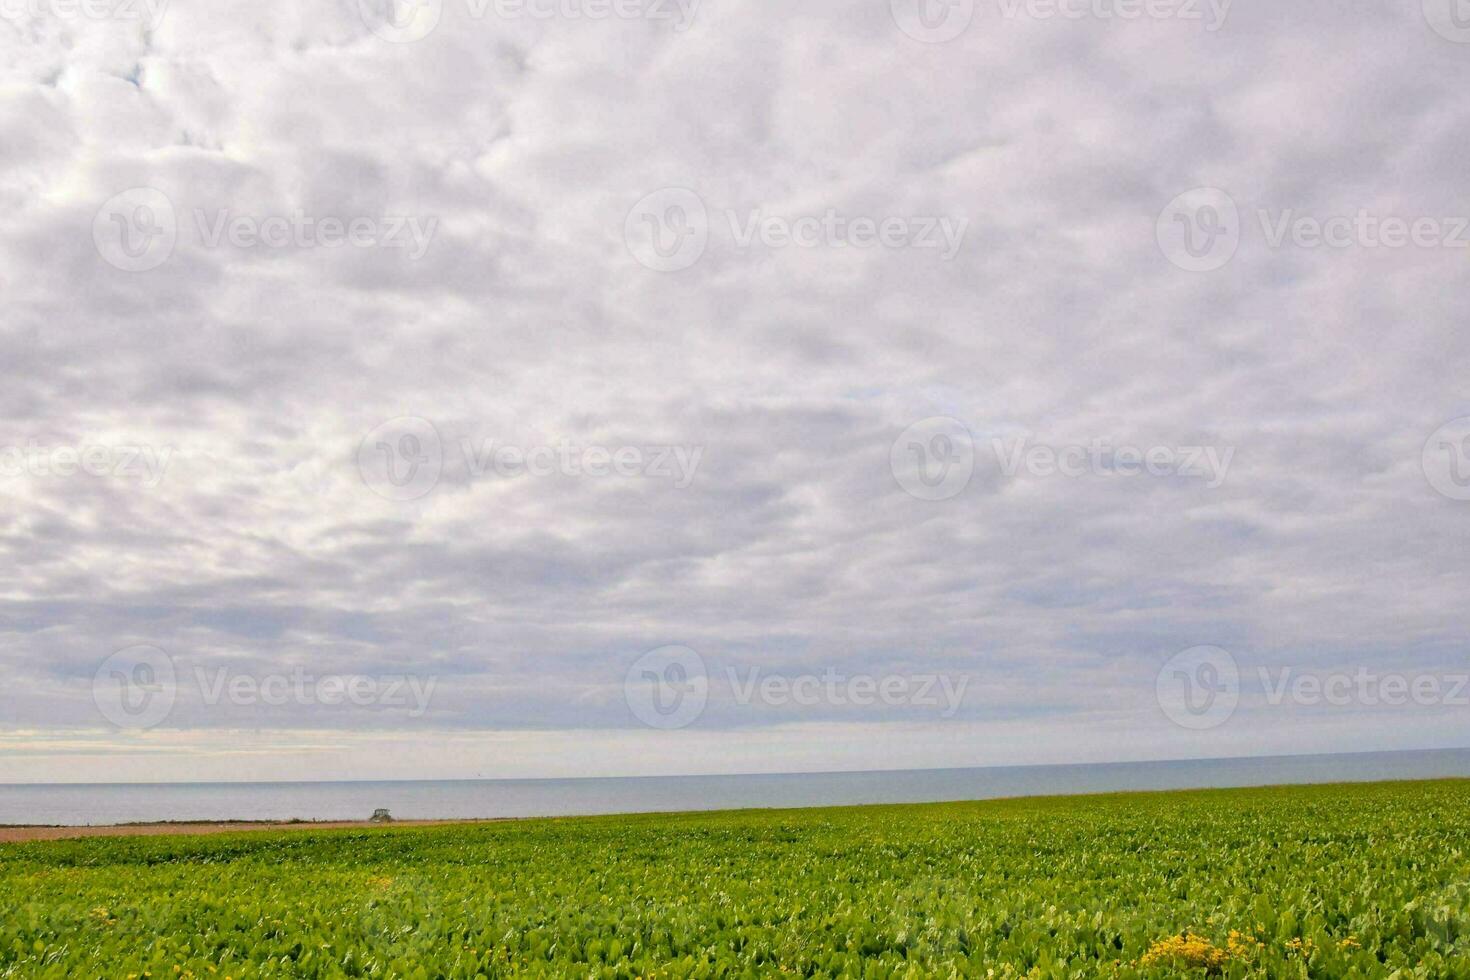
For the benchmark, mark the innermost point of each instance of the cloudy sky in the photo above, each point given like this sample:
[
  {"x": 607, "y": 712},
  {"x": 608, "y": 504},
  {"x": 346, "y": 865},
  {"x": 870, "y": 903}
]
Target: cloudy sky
[{"x": 579, "y": 387}]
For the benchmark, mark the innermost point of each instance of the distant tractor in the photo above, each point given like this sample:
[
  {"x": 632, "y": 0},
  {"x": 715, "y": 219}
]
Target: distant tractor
[{"x": 381, "y": 815}]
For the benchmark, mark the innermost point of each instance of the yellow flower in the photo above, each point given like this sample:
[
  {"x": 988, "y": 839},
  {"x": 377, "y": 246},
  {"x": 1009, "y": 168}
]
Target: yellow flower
[
  {"x": 1303, "y": 946},
  {"x": 1185, "y": 950}
]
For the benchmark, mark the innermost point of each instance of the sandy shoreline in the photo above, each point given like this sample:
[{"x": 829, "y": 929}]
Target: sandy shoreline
[{"x": 15, "y": 835}]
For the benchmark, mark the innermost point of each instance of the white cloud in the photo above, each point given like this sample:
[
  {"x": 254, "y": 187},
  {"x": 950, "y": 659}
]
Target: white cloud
[{"x": 528, "y": 322}]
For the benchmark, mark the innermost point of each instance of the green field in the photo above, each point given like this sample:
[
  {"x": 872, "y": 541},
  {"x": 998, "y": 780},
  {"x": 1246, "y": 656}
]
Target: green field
[{"x": 1340, "y": 881}]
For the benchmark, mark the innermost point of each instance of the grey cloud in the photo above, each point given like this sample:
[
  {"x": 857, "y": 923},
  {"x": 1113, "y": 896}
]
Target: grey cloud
[{"x": 794, "y": 549}]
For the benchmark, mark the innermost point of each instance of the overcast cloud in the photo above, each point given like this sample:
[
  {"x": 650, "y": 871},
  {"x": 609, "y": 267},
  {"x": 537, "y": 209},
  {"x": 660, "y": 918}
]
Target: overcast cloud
[{"x": 478, "y": 351}]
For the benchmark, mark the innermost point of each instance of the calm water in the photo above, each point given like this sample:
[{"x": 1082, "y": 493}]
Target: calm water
[{"x": 104, "y": 803}]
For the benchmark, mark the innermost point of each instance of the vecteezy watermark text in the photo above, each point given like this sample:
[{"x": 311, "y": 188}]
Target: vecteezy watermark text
[
  {"x": 678, "y": 13},
  {"x": 833, "y": 687},
  {"x": 138, "y": 230},
  {"x": 1363, "y": 229},
  {"x": 223, "y": 686},
  {"x": 144, "y": 464},
  {"x": 407, "y": 21},
  {"x": 677, "y": 464},
  {"x": 140, "y": 686},
  {"x": 1201, "y": 230},
  {"x": 670, "y": 229},
  {"x": 934, "y": 459},
  {"x": 1200, "y": 688},
  {"x": 303, "y": 231},
  {"x": 939, "y": 21},
  {"x": 148, "y": 12},
  {"x": 404, "y": 459},
  {"x": 1100, "y": 458},
  {"x": 1364, "y": 686},
  {"x": 834, "y": 230},
  {"x": 669, "y": 688},
  {"x": 1211, "y": 14}
]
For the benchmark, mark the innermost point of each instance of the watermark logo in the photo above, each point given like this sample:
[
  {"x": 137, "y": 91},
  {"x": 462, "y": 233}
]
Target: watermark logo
[
  {"x": 1450, "y": 19},
  {"x": 1446, "y": 459},
  {"x": 933, "y": 459},
  {"x": 667, "y": 688},
  {"x": 932, "y": 21},
  {"x": 1199, "y": 688},
  {"x": 1199, "y": 230},
  {"x": 402, "y": 459},
  {"x": 668, "y": 230},
  {"x": 401, "y": 21},
  {"x": 136, "y": 688},
  {"x": 136, "y": 231},
  {"x": 149, "y": 13}
]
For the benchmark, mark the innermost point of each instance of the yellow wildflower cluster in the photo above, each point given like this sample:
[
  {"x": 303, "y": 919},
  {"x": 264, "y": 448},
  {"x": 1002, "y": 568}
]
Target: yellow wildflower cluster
[
  {"x": 1185, "y": 950},
  {"x": 1191, "y": 951},
  {"x": 1301, "y": 947},
  {"x": 1242, "y": 945}
]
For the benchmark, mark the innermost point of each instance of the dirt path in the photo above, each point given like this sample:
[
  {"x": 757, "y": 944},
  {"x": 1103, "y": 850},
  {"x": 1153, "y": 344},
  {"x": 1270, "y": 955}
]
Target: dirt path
[{"x": 12, "y": 835}]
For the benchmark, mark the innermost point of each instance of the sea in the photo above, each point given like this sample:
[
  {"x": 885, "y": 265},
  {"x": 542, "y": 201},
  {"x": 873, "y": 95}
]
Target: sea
[{"x": 117, "y": 803}]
